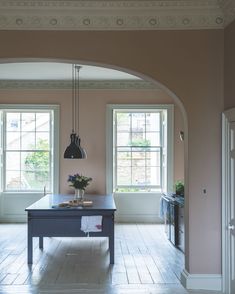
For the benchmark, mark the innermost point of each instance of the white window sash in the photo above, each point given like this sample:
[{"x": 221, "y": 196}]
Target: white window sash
[
  {"x": 54, "y": 143},
  {"x": 111, "y": 140}
]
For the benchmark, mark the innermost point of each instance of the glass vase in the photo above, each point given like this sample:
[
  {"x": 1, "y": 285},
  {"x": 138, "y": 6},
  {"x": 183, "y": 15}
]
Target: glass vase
[{"x": 78, "y": 194}]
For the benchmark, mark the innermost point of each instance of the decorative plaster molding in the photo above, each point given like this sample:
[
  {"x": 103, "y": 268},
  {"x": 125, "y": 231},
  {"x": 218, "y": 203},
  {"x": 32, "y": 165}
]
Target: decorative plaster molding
[
  {"x": 115, "y": 15},
  {"x": 228, "y": 8},
  {"x": 87, "y": 85}
]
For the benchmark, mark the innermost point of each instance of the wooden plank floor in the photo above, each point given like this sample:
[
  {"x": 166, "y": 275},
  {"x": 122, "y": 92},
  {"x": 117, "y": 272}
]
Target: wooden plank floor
[{"x": 144, "y": 258}]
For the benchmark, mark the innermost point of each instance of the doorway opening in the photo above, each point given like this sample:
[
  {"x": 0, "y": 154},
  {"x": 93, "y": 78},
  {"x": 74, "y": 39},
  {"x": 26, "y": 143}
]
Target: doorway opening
[{"x": 139, "y": 211}]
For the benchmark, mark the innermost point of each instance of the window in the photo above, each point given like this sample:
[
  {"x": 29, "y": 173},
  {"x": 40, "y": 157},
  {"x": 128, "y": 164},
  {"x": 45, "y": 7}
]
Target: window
[
  {"x": 141, "y": 152},
  {"x": 29, "y": 140}
]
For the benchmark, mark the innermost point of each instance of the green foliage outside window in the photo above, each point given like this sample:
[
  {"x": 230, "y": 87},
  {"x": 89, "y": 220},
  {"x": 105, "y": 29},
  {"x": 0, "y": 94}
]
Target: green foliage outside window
[
  {"x": 140, "y": 143},
  {"x": 37, "y": 165}
]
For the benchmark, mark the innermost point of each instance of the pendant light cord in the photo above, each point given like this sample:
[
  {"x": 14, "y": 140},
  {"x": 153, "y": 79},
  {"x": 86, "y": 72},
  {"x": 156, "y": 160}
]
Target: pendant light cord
[
  {"x": 76, "y": 97},
  {"x": 73, "y": 98}
]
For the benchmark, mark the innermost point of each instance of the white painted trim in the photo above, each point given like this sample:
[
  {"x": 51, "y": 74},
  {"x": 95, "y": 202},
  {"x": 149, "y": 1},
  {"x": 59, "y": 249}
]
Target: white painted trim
[
  {"x": 170, "y": 148},
  {"x": 14, "y": 219},
  {"x": 56, "y": 147},
  {"x": 227, "y": 117},
  {"x": 224, "y": 202},
  {"x": 109, "y": 149},
  {"x": 201, "y": 282}
]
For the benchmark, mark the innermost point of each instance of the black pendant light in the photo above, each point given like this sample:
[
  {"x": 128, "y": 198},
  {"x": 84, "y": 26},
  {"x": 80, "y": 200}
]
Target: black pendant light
[{"x": 74, "y": 150}]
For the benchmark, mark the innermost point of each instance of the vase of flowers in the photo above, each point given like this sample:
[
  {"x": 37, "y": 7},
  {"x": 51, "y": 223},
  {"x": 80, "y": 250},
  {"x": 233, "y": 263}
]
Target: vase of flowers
[{"x": 79, "y": 183}]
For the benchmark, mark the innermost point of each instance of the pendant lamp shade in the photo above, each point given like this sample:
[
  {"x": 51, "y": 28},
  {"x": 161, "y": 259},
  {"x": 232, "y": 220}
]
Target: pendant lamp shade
[{"x": 74, "y": 150}]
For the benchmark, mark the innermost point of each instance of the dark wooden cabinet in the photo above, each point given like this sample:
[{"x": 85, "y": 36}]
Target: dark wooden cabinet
[
  {"x": 174, "y": 219},
  {"x": 173, "y": 223},
  {"x": 180, "y": 228}
]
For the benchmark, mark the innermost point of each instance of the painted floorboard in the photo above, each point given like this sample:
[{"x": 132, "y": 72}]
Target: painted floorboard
[{"x": 145, "y": 262}]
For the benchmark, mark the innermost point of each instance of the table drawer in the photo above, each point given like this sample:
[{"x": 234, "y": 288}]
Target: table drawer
[{"x": 56, "y": 227}]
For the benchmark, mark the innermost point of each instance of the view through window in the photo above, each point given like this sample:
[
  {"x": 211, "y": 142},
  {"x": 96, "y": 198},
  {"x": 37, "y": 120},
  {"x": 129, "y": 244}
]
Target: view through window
[
  {"x": 27, "y": 144},
  {"x": 140, "y": 149}
]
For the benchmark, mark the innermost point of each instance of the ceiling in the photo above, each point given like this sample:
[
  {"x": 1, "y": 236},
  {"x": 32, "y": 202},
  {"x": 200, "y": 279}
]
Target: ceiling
[
  {"x": 115, "y": 14},
  {"x": 58, "y": 71}
]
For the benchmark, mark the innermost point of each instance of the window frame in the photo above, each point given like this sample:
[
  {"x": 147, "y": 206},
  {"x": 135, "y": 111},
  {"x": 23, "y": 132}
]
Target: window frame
[
  {"x": 54, "y": 147},
  {"x": 110, "y": 143}
]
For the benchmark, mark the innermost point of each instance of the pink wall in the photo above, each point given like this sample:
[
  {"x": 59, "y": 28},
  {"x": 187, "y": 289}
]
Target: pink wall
[
  {"x": 92, "y": 127},
  {"x": 190, "y": 64},
  {"x": 229, "y": 66}
]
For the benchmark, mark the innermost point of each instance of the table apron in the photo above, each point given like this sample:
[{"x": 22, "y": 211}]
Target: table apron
[{"x": 65, "y": 227}]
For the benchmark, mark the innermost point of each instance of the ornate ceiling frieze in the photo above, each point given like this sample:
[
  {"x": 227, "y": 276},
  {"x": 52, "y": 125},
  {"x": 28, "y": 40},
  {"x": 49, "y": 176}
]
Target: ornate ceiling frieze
[
  {"x": 115, "y": 15},
  {"x": 86, "y": 85}
]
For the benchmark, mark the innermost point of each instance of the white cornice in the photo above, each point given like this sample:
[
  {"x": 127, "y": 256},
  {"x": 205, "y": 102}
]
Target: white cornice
[
  {"x": 228, "y": 8},
  {"x": 115, "y": 15},
  {"x": 87, "y": 85}
]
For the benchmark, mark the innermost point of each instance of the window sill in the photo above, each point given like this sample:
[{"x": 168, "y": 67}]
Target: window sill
[{"x": 137, "y": 193}]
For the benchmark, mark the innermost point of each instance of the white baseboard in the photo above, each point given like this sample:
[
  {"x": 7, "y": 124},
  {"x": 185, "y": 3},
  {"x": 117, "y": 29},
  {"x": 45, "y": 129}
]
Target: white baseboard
[
  {"x": 202, "y": 282},
  {"x": 142, "y": 218},
  {"x": 13, "y": 219}
]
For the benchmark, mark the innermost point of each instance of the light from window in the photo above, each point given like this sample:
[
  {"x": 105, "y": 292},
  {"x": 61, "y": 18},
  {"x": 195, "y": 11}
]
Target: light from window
[
  {"x": 27, "y": 150},
  {"x": 138, "y": 150}
]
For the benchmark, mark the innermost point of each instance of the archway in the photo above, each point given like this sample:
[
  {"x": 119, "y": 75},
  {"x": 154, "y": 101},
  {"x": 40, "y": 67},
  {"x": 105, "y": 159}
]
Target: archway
[{"x": 178, "y": 102}]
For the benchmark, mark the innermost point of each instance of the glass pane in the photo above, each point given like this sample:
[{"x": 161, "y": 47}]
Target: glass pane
[
  {"x": 123, "y": 155},
  {"x": 153, "y": 139},
  {"x": 153, "y": 158},
  {"x": 138, "y": 122},
  {"x": 37, "y": 180},
  {"x": 153, "y": 175},
  {"x": 42, "y": 122},
  {"x": 42, "y": 141},
  {"x": 28, "y": 121},
  {"x": 28, "y": 141},
  {"x": 123, "y": 139},
  {"x": 123, "y": 121},
  {"x": 153, "y": 122},
  {"x": 12, "y": 122},
  {"x": 13, "y": 141},
  {"x": 124, "y": 162},
  {"x": 35, "y": 161},
  {"x": 138, "y": 139},
  {"x": 123, "y": 176},
  {"x": 13, "y": 161},
  {"x": 138, "y": 155},
  {"x": 138, "y": 162},
  {"x": 36, "y": 169},
  {"x": 138, "y": 176},
  {"x": 13, "y": 181}
]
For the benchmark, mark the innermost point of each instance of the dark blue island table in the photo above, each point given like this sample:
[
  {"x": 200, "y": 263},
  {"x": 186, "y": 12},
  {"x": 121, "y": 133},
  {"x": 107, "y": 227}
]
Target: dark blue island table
[{"x": 46, "y": 219}]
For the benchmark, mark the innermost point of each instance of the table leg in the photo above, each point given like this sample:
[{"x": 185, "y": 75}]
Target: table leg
[
  {"x": 41, "y": 242},
  {"x": 30, "y": 244},
  {"x": 111, "y": 241}
]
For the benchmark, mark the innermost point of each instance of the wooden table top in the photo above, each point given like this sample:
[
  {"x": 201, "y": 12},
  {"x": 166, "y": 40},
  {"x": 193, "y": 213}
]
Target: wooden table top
[{"x": 51, "y": 202}]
